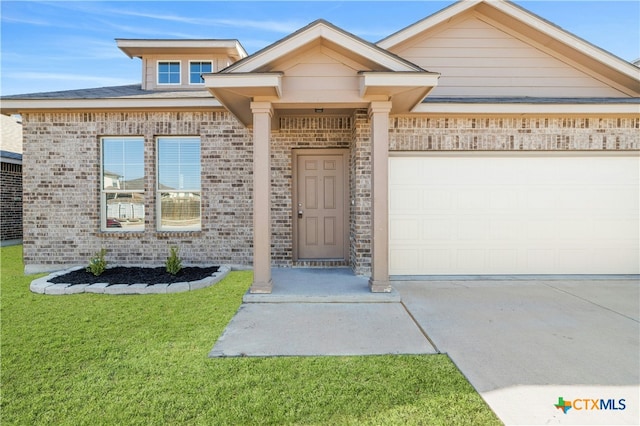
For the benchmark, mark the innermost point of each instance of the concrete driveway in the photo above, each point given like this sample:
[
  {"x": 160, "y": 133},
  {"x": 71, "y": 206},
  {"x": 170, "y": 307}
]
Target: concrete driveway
[{"x": 525, "y": 344}]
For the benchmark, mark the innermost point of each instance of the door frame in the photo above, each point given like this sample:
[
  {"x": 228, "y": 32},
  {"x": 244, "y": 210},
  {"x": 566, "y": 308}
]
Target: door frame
[{"x": 297, "y": 152}]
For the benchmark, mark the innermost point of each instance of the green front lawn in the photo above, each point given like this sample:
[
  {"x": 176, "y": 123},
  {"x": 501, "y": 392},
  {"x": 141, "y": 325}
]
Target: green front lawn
[{"x": 96, "y": 359}]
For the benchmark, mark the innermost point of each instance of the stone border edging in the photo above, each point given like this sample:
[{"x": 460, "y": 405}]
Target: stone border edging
[{"x": 43, "y": 286}]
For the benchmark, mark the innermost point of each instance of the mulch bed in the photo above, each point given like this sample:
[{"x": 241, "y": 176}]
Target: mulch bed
[{"x": 135, "y": 275}]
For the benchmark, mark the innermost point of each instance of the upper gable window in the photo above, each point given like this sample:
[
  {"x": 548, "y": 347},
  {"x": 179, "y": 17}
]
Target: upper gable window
[
  {"x": 169, "y": 72},
  {"x": 196, "y": 69}
]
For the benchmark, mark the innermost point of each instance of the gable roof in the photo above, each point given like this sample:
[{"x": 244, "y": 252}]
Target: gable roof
[
  {"x": 384, "y": 72},
  {"x": 330, "y": 34},
  {"x": 375, "y": 73},
  {"x": 535, "y": 31}
]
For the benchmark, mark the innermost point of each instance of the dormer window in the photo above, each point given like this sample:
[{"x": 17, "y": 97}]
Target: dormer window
[
  {"x": 196, "y": 69},
  {"x": 178, "y": 64},
  {"x": 169, "y": 72}
]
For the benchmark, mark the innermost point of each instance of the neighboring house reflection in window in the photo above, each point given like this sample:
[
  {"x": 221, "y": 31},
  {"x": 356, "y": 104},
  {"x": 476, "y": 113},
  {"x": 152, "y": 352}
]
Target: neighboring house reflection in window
[
  {"x": 122, "y": 192},
  {"x": 178, "y": 192}
]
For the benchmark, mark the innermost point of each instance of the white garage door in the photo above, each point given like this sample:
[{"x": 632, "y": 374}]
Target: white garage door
[{"x": 514, "y": 214}]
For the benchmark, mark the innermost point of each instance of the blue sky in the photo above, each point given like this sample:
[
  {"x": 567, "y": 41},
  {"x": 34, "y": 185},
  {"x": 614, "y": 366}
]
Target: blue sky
[{"x": 58, "y": 45}]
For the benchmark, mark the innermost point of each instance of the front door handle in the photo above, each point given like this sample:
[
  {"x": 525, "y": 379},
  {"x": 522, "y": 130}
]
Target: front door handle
[{"x": 299, "y": 214}]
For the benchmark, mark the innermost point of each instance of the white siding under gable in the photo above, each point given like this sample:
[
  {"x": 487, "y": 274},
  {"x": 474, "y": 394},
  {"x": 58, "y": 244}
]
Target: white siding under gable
[
  {"x": 477, "y": 59},
  {"x": 320, "y": 75}
]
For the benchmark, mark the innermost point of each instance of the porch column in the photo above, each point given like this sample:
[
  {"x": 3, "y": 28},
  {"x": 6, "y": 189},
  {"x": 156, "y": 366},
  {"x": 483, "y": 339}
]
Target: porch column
[
  {"x": 262, "y": 112},
  {"x": 379, "y": 114}
]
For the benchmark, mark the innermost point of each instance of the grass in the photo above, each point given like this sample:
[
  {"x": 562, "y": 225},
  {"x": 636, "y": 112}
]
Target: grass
[{"x": 102, "y": 360}]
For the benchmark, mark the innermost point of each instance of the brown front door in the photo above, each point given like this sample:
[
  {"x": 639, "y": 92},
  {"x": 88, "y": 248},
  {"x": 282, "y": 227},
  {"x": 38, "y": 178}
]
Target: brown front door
[{"x": 320, "y": 203}]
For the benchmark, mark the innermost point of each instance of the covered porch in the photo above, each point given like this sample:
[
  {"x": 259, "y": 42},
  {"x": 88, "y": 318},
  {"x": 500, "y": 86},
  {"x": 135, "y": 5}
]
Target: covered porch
[{"x": 321, "y": 70}]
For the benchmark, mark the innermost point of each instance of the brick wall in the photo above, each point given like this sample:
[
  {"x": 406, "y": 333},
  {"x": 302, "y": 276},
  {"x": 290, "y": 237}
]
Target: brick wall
[
  {"x": 62, "y": 189},
  {"x": 513, "y": 134},
  {"x": 11, "y": 201},
  {"x": 360, "y": 226},
  {"x": 295, "y": 133}
]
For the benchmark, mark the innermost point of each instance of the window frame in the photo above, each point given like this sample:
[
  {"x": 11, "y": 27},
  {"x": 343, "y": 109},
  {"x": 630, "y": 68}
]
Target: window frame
[
  {"x": 200, "y": 61},
  {"x": 159, "y": 191},
  {"x": 103, "y": 192},
  {"x": 178, "y": 61}
]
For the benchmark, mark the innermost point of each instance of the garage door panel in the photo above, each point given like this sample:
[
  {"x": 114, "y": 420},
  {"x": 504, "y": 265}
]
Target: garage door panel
[
  {"x": 471, "y": 230},
  {"x": 540, "y": 198},
  {"x": 541, "y": 230},
  {"x": 405, "y": 200},
  {"x": 410, "y": 173},
  {"x": 619, "y": 200},
  {"x": 504, "y": 199},
  {"x": 437, "y": 229},
  {"x": 575, "y": 260},
  {"x": 470, "y": 199},
  {"x": 405, "y": 229},
  {"x": 504, "y": 229},
  {"x": 470, "y": 261},
  {"x": 504, "y": 260},
  {"x": 437, "y": 260},
  {"x": 540, "y": 259},
  {"x": 436, "y": 199},
  {"x": 405, "y": 260},
  {"x": 514, "y": 214},
  {"x": 617, "y": 230},
  {"x": 579, "y": 230},
  {"x": 618, "y": 257},
  {"x": 578, "y": 198}
]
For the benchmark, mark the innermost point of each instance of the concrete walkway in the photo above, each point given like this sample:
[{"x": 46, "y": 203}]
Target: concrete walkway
[
  {"x": 321, "y": 312},
  {"x": 522, "y": 344}
]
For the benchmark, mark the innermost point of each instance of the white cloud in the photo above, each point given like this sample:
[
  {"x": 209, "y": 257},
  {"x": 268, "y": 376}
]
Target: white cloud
[
  {"x": 283, "y": 27},
  {"x": 150, "y": 32}
]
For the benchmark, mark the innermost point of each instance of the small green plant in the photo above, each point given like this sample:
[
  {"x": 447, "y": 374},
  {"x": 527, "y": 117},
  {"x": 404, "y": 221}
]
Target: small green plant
[
  {"x": 97, "y": 264},
  {"x": 173, "y": 263}
]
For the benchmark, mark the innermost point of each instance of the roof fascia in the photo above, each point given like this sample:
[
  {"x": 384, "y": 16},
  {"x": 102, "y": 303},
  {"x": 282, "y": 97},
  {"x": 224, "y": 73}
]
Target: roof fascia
[
  {"x": 426, "y": 23},
  {"x": 17, "y": 106},
  {"x": 315, "y": 30},
  {"x": 272, "y": 80},
  {"x": 138, "y": 47}
]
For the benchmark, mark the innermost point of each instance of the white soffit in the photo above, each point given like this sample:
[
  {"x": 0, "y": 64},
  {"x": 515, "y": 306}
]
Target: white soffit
[
  {"x": 254, "y": 84},
  {"x": 139, "y": 47},
  {"x": 237, "y": 91},
  {"x": 404, "y": 89}
]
